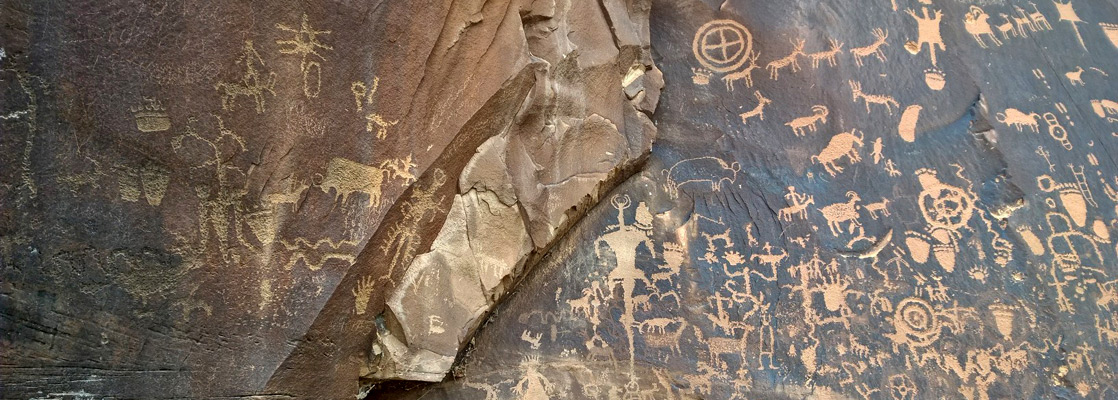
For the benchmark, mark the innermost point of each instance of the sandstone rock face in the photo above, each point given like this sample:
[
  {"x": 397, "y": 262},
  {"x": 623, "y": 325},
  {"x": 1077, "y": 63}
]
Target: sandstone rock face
[{"x": 558, "y": 199}]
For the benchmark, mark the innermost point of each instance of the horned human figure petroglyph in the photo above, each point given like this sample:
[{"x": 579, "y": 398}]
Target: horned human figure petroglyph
[
  {"x": 802, "y": 124},
  {"x": 624, "y": 240},
  {"x": 792, "y": 59},
  {"x": 841, "y": 145},
  {"x": 977, "y": 23},
  {"x": 887, "y": 101},
  {"x": 759, "y": 110},
  {"x": 874, "y": 49}
]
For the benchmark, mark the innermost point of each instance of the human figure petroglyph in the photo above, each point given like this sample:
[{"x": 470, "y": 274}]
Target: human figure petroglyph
[
  {"x": 252, "y": 84},
  {"x": 929, "y": 31},
  {"x": 797, "y": 205},
  {"x": 801, "y": 125},
  {"x": 624, "y": 240},
  {"x": 840, "y": 145},
  {"x": 757, "y": 111},
  {"x": 876, "y": 154},
  {"x": 829, "y": 55},
  {"x": 404, "y": 235},
  {"x": 872, "y": 49},
  {"x": 887, "y": 101},
  {"x": 703, "y": 170},
  {"x": 304, "y": 44},
  {"x": 977, "y": 23},
  {"x": 792, "y": 59},
  {"x": 769, "y": 257}
]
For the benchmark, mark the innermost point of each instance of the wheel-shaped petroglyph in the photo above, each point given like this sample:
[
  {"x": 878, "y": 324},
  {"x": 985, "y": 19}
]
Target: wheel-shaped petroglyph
[{"x": 722, "y": 45}]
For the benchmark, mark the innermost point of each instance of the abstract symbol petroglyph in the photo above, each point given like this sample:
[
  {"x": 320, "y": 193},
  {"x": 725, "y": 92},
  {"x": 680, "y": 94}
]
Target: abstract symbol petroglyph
[
  {"x": 323, "y": 250},
  {"x": 1067, "y": 13},
  {"x": 363, "y": 95},
  {"x": 880, "y": 36},
  {"x": 305, "y": 43},
  {"x": 946, "y": 209},
  {"x": 935, "y": 79},
  {"x": 792, "y": 59},
  {"x": 708, "y": 170},
  {"x": 151, "y": 116},
  {"x": 1057, "y": 130},
  {"x": 907, "y": 127},
  {"x": 757, "y": 111},
  {"x": 1105, "y": 109},
  {"x": 722, "y": 45},
  {"x": 252, "y": 84},
  {"x": 845, "y": 144},
  {"x": 977, "y": 23},
  {"x": 801, "y": 125},
  {"x": 887, "y": 101},
  {"x": 928, "y": 27},
  {"x": 1074, "y": 197}
]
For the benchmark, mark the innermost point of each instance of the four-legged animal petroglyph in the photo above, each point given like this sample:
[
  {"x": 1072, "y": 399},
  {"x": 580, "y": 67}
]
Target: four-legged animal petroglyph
[
  {"x": 977, "y": 23},
  {"x": 801, "y": 125},
  {"x": 887, "y": 101},
  {"x": 837, "y": 213},
  {"x": 1019, "y": 120},
  {"x": 872, "y": 49},
  {"x": 706, "y": 170},
  {"x": 792, "y": 59},
  {"x": 759, "y": 110},
  {"x": 829, "y": 54}
]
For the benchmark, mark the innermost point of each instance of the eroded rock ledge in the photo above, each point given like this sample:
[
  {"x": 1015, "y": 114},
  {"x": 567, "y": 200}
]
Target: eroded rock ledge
[{"x": 585, "y": 119}]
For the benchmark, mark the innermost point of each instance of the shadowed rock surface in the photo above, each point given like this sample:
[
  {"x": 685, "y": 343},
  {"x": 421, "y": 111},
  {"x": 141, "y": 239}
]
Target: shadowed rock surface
[{"x": 559, "y": 199}]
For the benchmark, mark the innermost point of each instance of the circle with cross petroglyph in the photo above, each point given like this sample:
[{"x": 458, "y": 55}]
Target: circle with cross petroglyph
[{"x": 722, "y": 45}]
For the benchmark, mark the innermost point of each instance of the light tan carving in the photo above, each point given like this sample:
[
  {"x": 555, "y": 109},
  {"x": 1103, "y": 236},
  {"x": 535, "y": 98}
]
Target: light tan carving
[
  {"x": 404, "y": 234},
  {"x": 151, "y": 116},
  {"x": 252, "y": 84},
  {"x": 1007, "y": 29},
  {"x": 887, "y": 101},
  {"x": 874, "y": 49},
  {"x": 792, "y": 59},
  {"x": 841, "y": 145},
  {"x": 743, "y": 74},
  {"x": 346, "y": 177},
  {"x": 977, "y": 23},
  {"x": 291, "y": 195},
  {"x": 758, "y": 111},
  {"x": 708, "y": 170},
  {"x": 876, "y": 153},
  {"x": 363, "y": 95},
  {"x": 928, "y": 27},
  {"x": 305, "y": 43},
  {"x": 838, "y": 213},
  {"x": 1111, "y": 32},
  {"x": 1067, "y": 13},
  {"x": 907, "y": 127},
  {"x": 722, "y": 45},
  {"x": 829, "y": 55},
  {"x": 797, "y": 205},
  {"x": 1019, "y": 120},
  {"x": 801, "y": 125},
  {"x": 881, "y": 207},
  {"x": 1105, "y": 109},
  {"x": 324, "y": 250},
  {"x": 946, "y": 209}
]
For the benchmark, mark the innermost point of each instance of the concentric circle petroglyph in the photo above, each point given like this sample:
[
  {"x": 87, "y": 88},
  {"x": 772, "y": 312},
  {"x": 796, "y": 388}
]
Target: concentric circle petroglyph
[
  {"x": 916, "y": 320},
  {"x": 722, "y": 45}
]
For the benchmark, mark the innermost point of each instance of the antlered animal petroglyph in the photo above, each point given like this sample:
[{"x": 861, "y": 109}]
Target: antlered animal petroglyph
[
  {"x": 759, "y": 110},
  {"x": 829, "y": 55},
  {"x": 887, "y": 101},
  {"x": 792, "y": 59},
  {"x": 872, "y": 49},
  {"x": 706, "y": 170},
  {"x": 746, "y": 73}
]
